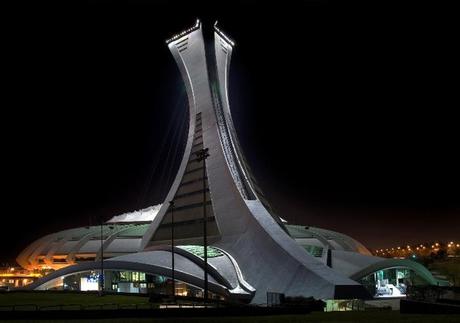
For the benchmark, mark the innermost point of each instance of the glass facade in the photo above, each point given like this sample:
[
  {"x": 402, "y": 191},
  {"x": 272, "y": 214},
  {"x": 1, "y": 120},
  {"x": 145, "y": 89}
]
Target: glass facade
[
  {"x": 126, "y": 282},
  {"x": 391, "y": 282},
  {"x": 339, "y": 305}
]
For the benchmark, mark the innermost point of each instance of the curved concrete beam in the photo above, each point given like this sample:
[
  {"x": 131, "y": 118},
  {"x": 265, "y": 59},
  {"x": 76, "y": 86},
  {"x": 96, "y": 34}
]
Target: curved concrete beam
[{"x": 396, "y": 263}]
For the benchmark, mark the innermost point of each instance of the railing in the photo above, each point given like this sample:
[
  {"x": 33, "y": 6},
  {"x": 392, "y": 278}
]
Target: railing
[
  {"x": 80, "y": 307},
  {"x": 23, "y": 307},
  {"x": 105, "y": 306}
]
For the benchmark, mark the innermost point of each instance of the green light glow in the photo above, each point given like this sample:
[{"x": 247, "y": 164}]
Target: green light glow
[{"x": 199, "y": 251}]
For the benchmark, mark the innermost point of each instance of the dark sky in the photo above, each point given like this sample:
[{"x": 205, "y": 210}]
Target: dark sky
[{"x": 346, "y": 115}]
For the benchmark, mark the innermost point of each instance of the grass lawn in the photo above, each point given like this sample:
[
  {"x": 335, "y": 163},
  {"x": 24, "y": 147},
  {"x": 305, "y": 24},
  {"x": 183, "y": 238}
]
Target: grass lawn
[
  {"x": 48, "y": 299},
  {"x": 351, "y": 317},
  {"x": 62, "y": 298},
  {"x": 318, "y": 317}
]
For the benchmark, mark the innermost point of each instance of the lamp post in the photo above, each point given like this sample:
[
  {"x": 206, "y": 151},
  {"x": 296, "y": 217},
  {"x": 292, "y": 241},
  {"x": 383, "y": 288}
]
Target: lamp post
[
  {"x": 101, "y": 276},
  {"x": 201, "y": 156},
  {"x": 173, "y": 275}
]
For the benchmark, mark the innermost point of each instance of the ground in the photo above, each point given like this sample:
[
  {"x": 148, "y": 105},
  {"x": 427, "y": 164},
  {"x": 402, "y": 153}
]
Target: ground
[
  {"x": 350, "y": 317},
  {"x": 62, "y": 298},
  {"x": 49, "y": 299}
]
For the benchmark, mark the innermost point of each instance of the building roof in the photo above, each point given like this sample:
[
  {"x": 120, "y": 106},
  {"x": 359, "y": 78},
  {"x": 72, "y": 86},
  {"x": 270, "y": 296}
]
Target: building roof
[
  {"x": 305, "y": 235},
  {"x": 61, "y": 249},
  {"x": 125, "y": 237},
  {"x": 224, "y": 275}
]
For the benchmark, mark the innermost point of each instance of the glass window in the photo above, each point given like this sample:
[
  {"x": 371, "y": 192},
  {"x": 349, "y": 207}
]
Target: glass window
[
  {"x": 125, "y": 276},
  {"x": 126, "y": 282},
  {"x": 391, "y": 282}
]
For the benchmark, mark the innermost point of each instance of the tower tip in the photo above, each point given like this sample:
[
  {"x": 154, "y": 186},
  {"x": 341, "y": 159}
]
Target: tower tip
[
  {"x": 222, "y": 34},
  {"x": 185, "y": 32}
]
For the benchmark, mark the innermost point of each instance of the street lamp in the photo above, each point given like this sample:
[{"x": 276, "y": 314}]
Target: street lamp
[
  {"x": 101, "y": 276},
  {"x": 201, "y": 156},
  {"x": 173, "y": 275}
]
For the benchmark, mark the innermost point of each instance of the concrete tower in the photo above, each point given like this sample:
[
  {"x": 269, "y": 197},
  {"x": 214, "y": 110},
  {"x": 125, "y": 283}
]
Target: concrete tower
[
  {"x": 251, "y": 251},
  {"x": 239, "y": 219}
]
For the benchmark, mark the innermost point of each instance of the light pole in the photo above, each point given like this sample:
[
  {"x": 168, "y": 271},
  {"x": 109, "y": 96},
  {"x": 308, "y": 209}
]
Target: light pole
[
  {"x": 173, "y": 275},
  {"x": 201, "y": 156},
  {"x": 101, "y": 276}
]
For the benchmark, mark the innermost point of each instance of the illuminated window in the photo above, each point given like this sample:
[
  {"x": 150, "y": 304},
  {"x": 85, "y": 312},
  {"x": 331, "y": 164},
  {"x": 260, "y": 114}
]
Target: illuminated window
[
  {"x": 125, "y": 276},
  {"x": 199, "y": 251}
]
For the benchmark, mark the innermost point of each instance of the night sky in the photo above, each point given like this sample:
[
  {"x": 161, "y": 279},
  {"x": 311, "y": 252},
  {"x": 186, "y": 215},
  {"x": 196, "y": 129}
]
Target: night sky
[{"x": 345, "y": 115}]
